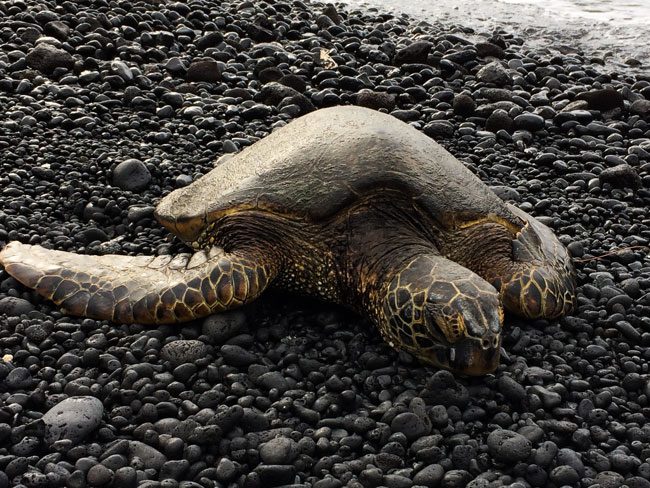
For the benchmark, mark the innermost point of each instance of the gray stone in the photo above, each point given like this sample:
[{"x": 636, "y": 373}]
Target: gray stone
[
  {"x": 151, "y": 458},
  {"x": 430, "y": 476},
  {"x": 640, "y": 107},
  {"x": 15, "y": 307},
  {"x": 131, "y": 174},
  {"x": 280, "y": 450},
  {"x": 73, "y": 419}
]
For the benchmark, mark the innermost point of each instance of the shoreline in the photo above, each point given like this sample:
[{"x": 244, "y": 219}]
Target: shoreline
[
  {"x": 617, "y": 45},
  {"x": 288, "y": 392}
]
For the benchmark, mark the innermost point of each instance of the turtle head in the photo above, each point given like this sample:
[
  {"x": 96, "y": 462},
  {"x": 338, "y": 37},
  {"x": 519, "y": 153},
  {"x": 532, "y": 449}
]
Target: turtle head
[
  {"x": 542, "y": 284},
  {"x": 179, "y": 213},
  {"x": 445, "y": 315}
]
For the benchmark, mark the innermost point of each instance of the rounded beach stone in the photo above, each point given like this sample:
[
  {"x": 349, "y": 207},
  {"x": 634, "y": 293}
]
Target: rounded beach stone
[
  {"x": 73, "y": 419},
  {"x": 280, "y": 450},
  {"x": 14, "y": 306},
  {"x": 494, "y": 73},
  {"x": 131, "y": 174}
]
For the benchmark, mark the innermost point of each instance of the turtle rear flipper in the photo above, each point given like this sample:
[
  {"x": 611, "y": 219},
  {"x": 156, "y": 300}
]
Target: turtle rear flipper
[{"x": 141, "y": 289}]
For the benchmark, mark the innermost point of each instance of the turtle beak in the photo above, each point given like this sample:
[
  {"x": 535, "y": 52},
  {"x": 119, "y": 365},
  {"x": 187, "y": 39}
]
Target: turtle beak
[
  {"x": 471, "y": 356},
  {"x": 178, "y": 220},
  {"x": 188, "y": 229}
]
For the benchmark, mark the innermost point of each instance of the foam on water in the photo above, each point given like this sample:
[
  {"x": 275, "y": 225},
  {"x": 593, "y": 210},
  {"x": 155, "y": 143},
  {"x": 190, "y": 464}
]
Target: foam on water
[{"x": 616, "y": 31}]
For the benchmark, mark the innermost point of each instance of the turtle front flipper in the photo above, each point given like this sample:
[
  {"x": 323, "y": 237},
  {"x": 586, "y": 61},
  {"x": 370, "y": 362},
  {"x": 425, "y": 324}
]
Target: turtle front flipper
[
  {"x": 541, "y": 281},
  {"x": 141, "y": 289}
]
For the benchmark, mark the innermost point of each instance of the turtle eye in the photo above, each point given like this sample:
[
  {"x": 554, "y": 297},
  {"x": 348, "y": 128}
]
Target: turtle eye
[{"x": 446, "y": 322}]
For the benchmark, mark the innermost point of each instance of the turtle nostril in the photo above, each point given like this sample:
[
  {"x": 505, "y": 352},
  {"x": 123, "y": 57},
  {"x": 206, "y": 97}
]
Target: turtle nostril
[{"x": 490, "y": 342}]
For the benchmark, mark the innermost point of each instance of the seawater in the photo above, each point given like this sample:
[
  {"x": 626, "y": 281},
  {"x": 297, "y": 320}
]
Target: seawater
[
  {"x": 607, "y": 11},
  {"x": 615, "y": 31}
]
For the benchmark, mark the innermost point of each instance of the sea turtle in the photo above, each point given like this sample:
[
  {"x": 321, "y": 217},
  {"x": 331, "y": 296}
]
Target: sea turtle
[{"x": 346, "y": 204}]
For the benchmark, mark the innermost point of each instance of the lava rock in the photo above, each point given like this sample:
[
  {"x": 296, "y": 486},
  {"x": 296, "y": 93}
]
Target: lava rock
[
  {"x": 205, "y": 69},
  {"x": 464, "y": 104},
  {"x": 237, "y": 356},
  {"x": 621, "y": 176},
  {"x": 183, "y": 351},
  {"x": 439, "y": 129},
  {"x": 429, "y": 476},
  {"x": 499, "y": 120},
  {"x": 640, "y": 107},
  {"x": 46, "y": 58},
  {"x": 507, "y": 446},
  {"x": 376, "y": 100},
  {"x": 488, "y": 49},
  {"x": 222, "y": 326}
]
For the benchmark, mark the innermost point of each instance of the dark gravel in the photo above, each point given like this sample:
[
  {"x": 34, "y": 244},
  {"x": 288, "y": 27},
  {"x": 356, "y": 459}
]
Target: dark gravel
[{"x": 107, "y": 106}]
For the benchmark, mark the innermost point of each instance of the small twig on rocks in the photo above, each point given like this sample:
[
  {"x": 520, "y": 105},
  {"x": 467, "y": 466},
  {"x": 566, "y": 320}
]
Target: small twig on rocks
[{"x": 610, "y": 253}]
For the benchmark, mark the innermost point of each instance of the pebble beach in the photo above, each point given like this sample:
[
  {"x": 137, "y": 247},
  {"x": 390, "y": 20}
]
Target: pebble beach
[{"x": 110, "y": 105}]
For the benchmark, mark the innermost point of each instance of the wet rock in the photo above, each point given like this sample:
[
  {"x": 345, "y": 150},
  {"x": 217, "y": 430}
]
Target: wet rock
[
  {"x": 416, "y": 52},
  {"x": 604, "y": 99},
  {"x": 528, "y": 121}
]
